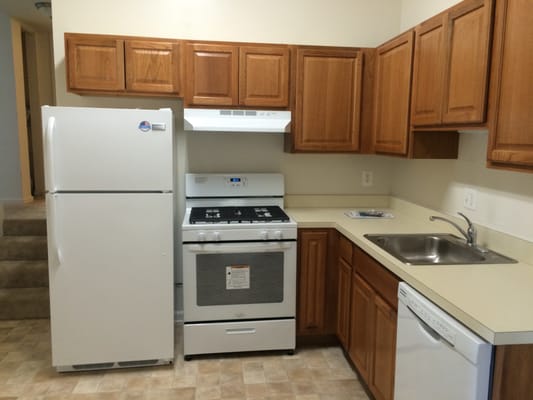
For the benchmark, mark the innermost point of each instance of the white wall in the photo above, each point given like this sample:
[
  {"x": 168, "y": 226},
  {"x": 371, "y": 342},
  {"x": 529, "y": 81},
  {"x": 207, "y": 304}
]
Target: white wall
[
  {"x": 10, "y": 177},
  {"x": 504, "y": 198}
]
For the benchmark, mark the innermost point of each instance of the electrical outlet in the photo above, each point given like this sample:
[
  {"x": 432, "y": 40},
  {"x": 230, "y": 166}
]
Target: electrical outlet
[
  {"x": 367, "y": 178},
  {"x": 470, "y": 199}
]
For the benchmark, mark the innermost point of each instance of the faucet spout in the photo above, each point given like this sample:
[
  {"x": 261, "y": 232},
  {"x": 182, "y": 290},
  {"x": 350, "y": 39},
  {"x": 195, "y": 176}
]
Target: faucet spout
[{"x": 470, "y": 233}]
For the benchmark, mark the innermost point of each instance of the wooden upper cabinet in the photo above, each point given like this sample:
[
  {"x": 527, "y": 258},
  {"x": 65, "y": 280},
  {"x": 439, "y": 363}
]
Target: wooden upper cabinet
[
  {"x": 328, "y": 98},
  {"x": 264, "y": 76},
  {"x": 511, "y": 101},
  {"x": 212, "y": 74},
  {"x": 450, "y": 69},
  {"x": 468, "y": 30},
  {"x": 101, "y": 64},
  {"x": 393, "y": 95},
  {"x": 94, "y": 63},
  {"x": 232, "y": 75},
  {"x": 153, "y": 66},
  {"x": 428, "y": 72}
]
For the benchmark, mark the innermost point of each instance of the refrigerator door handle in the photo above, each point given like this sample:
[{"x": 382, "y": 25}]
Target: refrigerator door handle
[
  {"x": 53, "y": 224},
  {"x": 48, "y": 154}
]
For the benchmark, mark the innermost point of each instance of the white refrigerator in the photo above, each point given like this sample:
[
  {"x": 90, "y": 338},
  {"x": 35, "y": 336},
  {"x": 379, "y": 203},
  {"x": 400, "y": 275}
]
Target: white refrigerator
[{"x": 109, "y": 203}]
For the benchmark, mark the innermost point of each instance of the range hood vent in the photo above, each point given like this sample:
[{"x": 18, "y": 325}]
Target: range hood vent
[{"x": 236, "y": 120}]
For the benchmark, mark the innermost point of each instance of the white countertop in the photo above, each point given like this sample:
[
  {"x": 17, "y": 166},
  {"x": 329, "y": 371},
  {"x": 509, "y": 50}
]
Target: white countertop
[{"x": 495, "y": 301}]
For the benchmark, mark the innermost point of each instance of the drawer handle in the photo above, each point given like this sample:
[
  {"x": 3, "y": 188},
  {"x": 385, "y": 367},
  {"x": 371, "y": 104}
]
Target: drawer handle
[{"x": 242, "y": 331}]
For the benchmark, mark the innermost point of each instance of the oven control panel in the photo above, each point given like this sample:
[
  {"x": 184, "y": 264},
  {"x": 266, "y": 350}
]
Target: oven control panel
[
  {"x": 235, "y": 181},
  {"x": 213, "y": 235}
]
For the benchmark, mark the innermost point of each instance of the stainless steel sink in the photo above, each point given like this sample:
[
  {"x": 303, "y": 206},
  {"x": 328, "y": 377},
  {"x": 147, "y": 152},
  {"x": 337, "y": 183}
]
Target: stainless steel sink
[{"x": 435, "y": 249}]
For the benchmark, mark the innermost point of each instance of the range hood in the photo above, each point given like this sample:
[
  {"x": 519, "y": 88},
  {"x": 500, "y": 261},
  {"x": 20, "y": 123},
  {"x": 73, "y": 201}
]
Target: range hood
[{"x": 236, "y": 120}]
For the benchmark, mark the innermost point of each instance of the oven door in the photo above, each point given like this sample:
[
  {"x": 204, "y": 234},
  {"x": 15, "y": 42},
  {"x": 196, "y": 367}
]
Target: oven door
[{"x": 237, "y": 281}]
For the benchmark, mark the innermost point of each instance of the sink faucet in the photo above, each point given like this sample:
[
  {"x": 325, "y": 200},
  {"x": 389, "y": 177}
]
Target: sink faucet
[{"x": 470, "y": 234}]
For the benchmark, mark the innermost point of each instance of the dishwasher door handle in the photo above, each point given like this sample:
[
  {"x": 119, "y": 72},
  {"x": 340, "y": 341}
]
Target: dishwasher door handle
[{"x": 428, "y": 330}]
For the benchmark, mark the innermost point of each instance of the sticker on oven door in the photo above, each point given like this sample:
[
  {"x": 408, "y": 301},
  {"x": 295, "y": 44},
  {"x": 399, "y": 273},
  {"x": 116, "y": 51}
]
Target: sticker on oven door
[{"x": 237, "y": 277}]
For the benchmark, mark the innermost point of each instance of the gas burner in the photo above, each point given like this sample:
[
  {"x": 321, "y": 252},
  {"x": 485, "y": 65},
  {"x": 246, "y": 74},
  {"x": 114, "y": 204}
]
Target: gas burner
[{"x": 237, "y": 215}]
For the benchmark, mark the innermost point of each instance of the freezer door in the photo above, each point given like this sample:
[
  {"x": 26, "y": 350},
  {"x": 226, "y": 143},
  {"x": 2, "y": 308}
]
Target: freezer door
[
  {"x": 96, "y": 149},
  {"x": 111, "y": 277}
]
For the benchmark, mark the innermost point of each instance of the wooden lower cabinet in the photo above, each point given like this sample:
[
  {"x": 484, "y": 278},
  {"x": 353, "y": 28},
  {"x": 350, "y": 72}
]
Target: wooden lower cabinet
[
  {"x": 316, "y": 283},
  {"x": 382, "y": 377},
  {"x": 343, "y": 302},
  {"x": 361, "y": 325},
  {"x": 372, "y": 320}
]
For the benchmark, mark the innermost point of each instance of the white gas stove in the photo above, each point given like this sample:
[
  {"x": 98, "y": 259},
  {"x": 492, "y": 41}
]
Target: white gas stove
[{"x": 239, "y": 265}]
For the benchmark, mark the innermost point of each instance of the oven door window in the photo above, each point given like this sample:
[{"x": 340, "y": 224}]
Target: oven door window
[{"x": 239, "y": 278}]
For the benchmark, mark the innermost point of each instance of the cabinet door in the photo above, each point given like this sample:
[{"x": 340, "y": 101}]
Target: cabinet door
[
  {"x": 382, "y": 381},
  {"x": 212, "y": 74},
  {"x": 428, "y": 72},
  {"x": 312, "y": 263},
  {"x": 264, "y": 76},
  {"x": 361, "y": 326},
  {"x": 153, "y": 66},
  {"x": 511, "y": 121},
  {"x": 343, "y": 302},
  {"x": 328, "y": 90},
  {"x": 393, "y": 95},
  {"x": 94, "y": 63},
  {"x": 468, "y": 28}
]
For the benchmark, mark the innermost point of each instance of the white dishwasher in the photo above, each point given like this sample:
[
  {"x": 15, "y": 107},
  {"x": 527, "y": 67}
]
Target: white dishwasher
[{"x": 437, "y": 358}]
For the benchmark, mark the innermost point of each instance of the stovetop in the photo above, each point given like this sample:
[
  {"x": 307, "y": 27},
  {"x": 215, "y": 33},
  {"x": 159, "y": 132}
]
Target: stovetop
[{"x": 237, "y": 215}]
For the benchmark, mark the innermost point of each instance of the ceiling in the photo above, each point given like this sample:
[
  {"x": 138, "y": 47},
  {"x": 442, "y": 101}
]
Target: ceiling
[{"x": 25, "y": 11}]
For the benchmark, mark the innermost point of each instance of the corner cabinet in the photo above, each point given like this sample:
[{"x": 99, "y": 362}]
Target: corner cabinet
[
  {"x": 393, "y": 94},
  {"x": 231, "y": 75},
  {"x": 450, "y": 69},
  {"x": 511, "y": 102},
  {"x": 327, "y": 100},
  {"x": 344, "y": 289},
  {"x": 101, "y": 64},
  {"x": 316, "y": 283}
]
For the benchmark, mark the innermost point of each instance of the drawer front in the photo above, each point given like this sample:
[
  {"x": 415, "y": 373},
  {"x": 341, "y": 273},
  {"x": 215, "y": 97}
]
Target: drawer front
[
  {"x": 382, "y": 280},
  {"x": 345, "y": 249},
  {"x": 239, "y": 336}
]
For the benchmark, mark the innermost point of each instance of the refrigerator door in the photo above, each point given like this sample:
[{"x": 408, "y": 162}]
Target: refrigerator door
[
  {"x": 111, "y": 277},
  {"x": 98, "y": 149}
]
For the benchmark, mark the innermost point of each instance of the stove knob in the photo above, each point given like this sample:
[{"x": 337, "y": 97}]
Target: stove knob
[
  {"x": 201, "y": 237},
  {"x": 263, "y": 235},
  {"x": 278, "y": 235},
  {"x": 216, "y": 236}
]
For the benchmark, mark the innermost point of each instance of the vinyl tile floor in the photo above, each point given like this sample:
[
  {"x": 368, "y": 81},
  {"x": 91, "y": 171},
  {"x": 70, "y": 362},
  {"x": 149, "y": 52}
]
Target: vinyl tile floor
[{"x": 313, "y": 373}]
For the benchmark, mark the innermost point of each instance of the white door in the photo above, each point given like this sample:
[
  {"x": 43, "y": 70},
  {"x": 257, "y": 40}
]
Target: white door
[
  {"x": 96, "y": 149},
  {"x": 111, "y": 277}
]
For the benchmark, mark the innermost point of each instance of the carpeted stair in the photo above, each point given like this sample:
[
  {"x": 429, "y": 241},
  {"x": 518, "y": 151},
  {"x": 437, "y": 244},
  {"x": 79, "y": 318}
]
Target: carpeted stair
[{"x": 23, "y": 268}]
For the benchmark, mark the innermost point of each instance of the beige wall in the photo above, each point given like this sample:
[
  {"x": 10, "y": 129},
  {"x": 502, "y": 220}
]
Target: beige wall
[
  {"x": 504, "y": 199},
  {"x": 338, "y": 22},
  {"x": 25, "y": 182},
  {"x": 415, "y": 11}
]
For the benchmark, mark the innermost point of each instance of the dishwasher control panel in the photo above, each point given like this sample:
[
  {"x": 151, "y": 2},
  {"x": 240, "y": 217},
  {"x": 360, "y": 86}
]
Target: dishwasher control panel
[{"x": 416, "y": 305}]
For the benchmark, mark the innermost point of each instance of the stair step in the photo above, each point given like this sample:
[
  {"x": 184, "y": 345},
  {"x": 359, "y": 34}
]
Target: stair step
[
  {"x": 23, "y": 248},
  {"x": 24, "y": 303},
  {"x": 23, "y": 274},
  {"x": 24, "y": 227}
]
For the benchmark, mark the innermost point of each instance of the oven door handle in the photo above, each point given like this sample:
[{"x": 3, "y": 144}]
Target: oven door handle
[{"x": 238, "y": 247}]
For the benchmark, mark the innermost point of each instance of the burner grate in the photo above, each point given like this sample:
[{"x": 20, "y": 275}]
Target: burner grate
[{"x": 236, "y": 215}]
